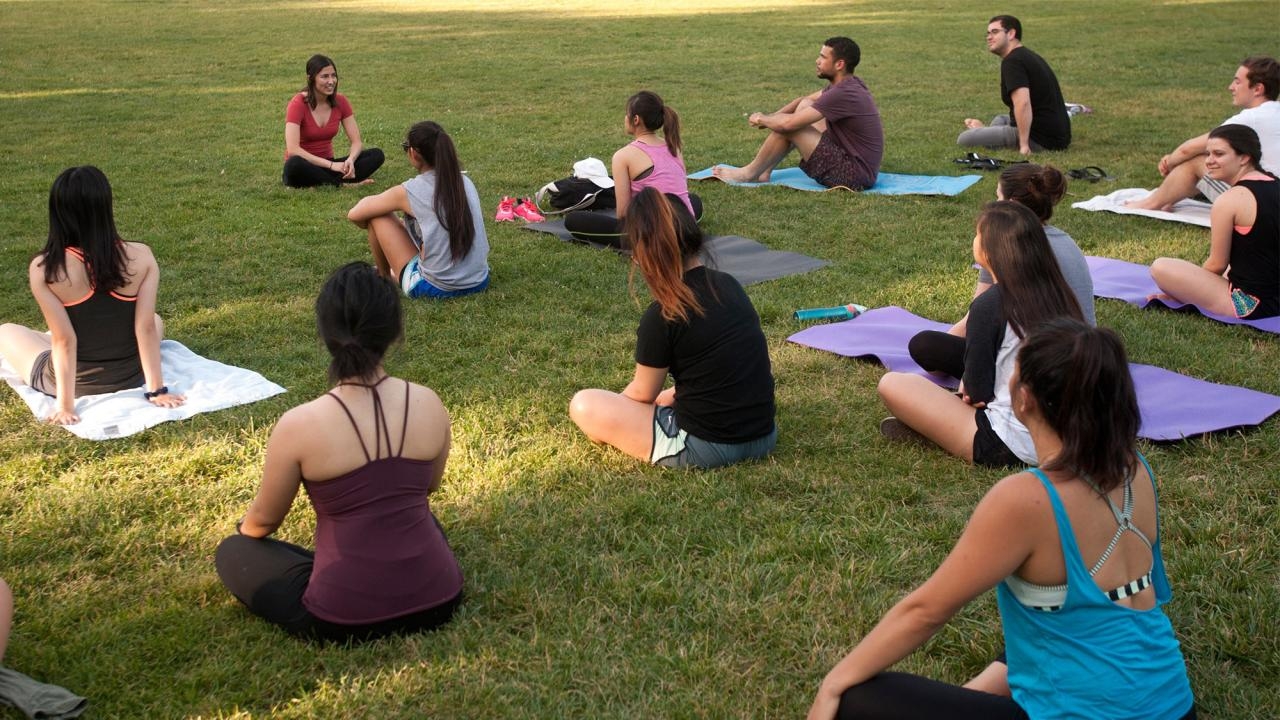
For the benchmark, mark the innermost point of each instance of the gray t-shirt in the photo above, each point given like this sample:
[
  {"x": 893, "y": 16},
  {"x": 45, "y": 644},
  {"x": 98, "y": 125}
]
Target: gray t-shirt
[
  {"x": 1073, "y": 266},
  {"x": 438, "y": 267}
]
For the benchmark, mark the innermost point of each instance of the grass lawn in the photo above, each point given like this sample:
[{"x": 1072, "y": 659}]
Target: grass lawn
[{"x": 595, "y": 587}]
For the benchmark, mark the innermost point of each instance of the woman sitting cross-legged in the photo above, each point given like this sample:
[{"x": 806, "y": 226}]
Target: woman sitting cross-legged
[
  {"x": 1241, "y": 278},
  {"x": 647, "y": 161},
  {"x": 1073, "y": 549},
  {"x": 702, "y": 329},
  {"x": 98, "y": 297},
  {"x": 439, "y": 249},
  {"x": 978, "y": 424},
  {"x": 311, "y": 121},
  {"x": 368, "y": 452}
]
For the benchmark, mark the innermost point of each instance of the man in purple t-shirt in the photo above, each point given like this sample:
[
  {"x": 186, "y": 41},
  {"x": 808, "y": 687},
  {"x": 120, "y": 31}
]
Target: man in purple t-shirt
[{"x": 837, "y": 129}]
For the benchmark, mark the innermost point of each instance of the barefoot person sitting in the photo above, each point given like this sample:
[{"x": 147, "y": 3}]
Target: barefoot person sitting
[
  {"x": 311, "y": 121},
  {"x": 837, "y": 129},
  {"x": 1255, "y": 90},
  {"x": 98, "y": 297},
  {"x": 369, "y": 453},
  {"x": 1241, "y": 278},
  {"x": 702, "y": 330}
]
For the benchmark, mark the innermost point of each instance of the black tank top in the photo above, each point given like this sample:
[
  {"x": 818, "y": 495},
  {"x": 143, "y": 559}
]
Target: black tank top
[{"x": 106, "y": 347}]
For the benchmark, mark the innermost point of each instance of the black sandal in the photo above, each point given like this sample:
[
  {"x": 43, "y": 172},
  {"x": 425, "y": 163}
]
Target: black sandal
[{"x": 1092, "y": 174}]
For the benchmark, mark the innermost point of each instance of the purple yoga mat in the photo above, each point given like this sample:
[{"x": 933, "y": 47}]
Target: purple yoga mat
[
  {"x": 1132, "y": 283},
  {"x": 880, "y": 335},
  {"x": 1173, "y": 405}
]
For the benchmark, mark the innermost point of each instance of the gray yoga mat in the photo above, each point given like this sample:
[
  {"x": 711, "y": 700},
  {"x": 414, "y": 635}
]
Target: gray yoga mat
[{"x": 745, "y": 259}]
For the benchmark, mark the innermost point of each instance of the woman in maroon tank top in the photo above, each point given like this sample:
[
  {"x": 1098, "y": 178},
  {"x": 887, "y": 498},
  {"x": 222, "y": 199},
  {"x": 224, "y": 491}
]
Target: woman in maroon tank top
[{"x": 368, "y": 452}]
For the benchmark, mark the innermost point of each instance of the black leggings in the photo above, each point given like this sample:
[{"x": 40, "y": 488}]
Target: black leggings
[
  {"x": 603, "y": 228},
  {"x": 298, "y": 173},
  {"x": 893, "y": 695},
  {"x": 269, "y": 576},
  {"x": 938, "y": 352}
]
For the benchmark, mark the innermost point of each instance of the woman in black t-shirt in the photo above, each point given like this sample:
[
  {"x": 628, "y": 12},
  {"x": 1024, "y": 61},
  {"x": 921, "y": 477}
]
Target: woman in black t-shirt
[{"x": 702, "y": 330}]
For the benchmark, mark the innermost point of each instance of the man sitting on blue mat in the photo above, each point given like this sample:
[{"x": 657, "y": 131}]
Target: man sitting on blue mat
[{"x": 837, "y": 129}]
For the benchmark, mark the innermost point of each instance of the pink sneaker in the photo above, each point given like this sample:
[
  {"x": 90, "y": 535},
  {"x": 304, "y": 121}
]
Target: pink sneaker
[
  {"x": 506, "y": 210},
  {"x": 527, "y": 210}
]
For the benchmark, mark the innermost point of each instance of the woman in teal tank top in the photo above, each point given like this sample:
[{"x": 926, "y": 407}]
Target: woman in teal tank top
[{"x": 1072, "y": 547}]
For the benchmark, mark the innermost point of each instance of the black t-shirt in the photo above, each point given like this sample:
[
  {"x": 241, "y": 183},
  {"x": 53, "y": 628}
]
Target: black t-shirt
[
  {"x": 720, "y": 361},
  {"x": 1050, "y": 124}
]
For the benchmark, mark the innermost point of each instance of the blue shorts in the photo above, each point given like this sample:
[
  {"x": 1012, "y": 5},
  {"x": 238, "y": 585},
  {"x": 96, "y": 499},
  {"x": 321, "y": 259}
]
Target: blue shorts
[
  {"x": 673, "y": 447},
  {"x": 415, "y": 285}
]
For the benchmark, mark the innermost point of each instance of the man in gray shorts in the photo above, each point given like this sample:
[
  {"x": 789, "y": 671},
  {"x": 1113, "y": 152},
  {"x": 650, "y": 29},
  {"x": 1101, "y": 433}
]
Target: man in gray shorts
[{"x": 1254, "y": 90}]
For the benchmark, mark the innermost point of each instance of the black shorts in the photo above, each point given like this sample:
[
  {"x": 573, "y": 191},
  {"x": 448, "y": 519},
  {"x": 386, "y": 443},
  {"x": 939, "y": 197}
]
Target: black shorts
[
  {"x": 988, "y": 449},
  {"x": 42, "y": 374}
]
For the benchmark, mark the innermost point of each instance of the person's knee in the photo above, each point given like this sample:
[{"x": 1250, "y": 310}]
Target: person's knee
[
  {"x": 890, "y": 386},
  {"x": 1162, "y": 270},
  {"x": 295, "y": 171},
  {"x": 583, "y": 409}
]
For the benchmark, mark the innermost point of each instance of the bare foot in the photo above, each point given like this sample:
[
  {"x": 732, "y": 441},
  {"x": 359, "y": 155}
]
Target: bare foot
[
  {"x": 732, "y": 174},
  {"x": 1164, "y": 298},
  {"x": 1148, "y": 203},
  {"x": 366, "y": 181}
]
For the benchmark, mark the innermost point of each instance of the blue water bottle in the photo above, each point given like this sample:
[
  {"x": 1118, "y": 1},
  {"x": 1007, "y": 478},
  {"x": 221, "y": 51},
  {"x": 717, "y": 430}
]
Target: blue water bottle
[{"x": 839, "y": 312}]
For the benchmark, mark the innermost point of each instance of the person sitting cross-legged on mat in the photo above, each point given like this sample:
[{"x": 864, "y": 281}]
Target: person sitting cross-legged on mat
[
  {"x": 1073, "y": 550},
  {"x": 98, "y": 297},
  {"x": 1241, "y": 278},
  {"x": 1040, "y": 187},
  {"x": 311, "y": 121},
  {"x": 647, "y": 161},
  {"x": 701, "y": 329},
  {"x": 978, "y": 423},
  {"x": 368, "y": 452},
  {"x": 439, "y": 249},
  {"x": 837, "y": 130}
]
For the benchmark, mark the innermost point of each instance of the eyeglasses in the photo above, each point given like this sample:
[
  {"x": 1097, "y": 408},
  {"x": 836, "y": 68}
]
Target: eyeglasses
[
  {"x": 405, "y": 146},
  {"x": 996, "y": 31}
]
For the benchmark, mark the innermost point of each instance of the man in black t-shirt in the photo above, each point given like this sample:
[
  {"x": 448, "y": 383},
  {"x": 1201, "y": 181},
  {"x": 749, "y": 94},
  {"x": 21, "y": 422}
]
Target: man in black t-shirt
[{"x": 1037, "y": 117}]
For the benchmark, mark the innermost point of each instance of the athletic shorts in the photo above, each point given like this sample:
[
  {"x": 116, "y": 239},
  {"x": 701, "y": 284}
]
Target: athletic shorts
[
  {"x": 832, "y": 167},
  {"x": 1251, "y": 307},
  {"x": 673, "y": 447},
  {"x": 988, "y": 449},
  {"x": 1211, "y": 189},
  {"x": 42, "y": 378},
  {"x": 415, "y": 285}
]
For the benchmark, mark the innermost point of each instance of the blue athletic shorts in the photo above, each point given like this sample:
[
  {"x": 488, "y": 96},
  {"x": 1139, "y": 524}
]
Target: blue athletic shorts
[
  {"x": 673, "y": 447},
  {"x": 415, "y": 285}
]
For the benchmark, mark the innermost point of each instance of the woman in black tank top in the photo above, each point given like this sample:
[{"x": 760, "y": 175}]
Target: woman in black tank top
[{"x": 98, "y": 296}]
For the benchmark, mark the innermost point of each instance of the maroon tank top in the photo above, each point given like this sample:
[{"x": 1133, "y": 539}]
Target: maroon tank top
[{"x": 380, "y": 554}]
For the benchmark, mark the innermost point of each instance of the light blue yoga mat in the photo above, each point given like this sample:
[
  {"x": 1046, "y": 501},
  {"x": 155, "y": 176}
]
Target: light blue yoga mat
[{"x": 886, "y": 183}]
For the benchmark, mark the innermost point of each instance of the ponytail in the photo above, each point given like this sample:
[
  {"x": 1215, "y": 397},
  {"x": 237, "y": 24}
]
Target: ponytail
[
  {"x": 656, "y": 116},
  {"x": 450, "y": 202},
  {"x": 652, "y": 233},
  {"x": 671, "y": 129}
]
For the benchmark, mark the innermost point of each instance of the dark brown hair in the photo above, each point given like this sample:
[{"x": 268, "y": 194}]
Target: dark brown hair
[
  {"x": 661, "y": 236},
  {"x": 1038, "y": 187},
  {"x": 450, "y": 202},
  {"x": 358, "y": 316},
  {"x": 314, "y": 65},
  {"x": 80, "y": 216},
  {"x": 656, "y": 115},
  {"x": 1032, "y": 289}
]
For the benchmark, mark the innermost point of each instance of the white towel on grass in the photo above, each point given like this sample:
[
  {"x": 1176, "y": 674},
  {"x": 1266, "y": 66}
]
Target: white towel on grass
[
  {"x": 1193, "y": 212},
  {"x": 209, "y": 385}
]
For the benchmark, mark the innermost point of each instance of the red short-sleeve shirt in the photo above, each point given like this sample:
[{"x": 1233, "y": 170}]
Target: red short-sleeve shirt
[{"x": 316, "y": 139}]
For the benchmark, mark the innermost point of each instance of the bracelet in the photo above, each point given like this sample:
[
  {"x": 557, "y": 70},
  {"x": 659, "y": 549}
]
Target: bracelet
[{"x": 162, "y": 390}]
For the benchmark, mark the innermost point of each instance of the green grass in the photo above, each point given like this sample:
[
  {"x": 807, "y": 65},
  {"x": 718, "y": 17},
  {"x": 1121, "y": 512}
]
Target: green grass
[{"x": 595, "y": 587}]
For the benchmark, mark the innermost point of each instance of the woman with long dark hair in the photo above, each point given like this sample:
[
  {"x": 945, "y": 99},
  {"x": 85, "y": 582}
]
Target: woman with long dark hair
[
  {"x": 647, "y": 161},
  {"x": 1073, "y": 549},
  {"x": 368, "y": 452},
  {"x": 1241, "y": 278},
  {"x": 98, "y": 297},
  {"x": 311, "y": 121},
  {"x": 979, "y": 424},
  {"x": 702, "y": 330},
  {"x": 439, "y": 249}
]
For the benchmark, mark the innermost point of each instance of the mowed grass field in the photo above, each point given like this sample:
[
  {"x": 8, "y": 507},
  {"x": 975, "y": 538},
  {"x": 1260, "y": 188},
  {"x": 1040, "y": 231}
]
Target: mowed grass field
[{"x": 596, "y": 587}]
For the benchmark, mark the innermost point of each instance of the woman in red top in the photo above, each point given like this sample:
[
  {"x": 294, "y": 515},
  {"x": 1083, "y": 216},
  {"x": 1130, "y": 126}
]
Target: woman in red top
[{"x": 311, "y": 121}]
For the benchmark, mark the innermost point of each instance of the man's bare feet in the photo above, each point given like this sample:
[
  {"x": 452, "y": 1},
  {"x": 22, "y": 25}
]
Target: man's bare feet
[
  {"x": 973, "y": 123},
  {"x": 1150, "y": 202},
  {"x": 733, "y": 174}
]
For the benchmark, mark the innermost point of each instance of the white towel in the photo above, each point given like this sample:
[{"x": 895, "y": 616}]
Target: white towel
[
  {"x": 209, "y": 385},
  {"x": 1193, "y": 212}
]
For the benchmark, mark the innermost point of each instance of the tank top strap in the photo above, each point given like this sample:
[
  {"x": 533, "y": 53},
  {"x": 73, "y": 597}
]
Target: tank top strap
[
  {"x": 404, "y": 425},
  {"x": 381, "y": 429}
]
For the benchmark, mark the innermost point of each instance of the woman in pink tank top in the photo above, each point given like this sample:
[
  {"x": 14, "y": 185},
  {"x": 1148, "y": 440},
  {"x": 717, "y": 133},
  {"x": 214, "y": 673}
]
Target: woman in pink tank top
[
  {"x": 647, "y": 161},
  {"x": 368, "y": 452}
]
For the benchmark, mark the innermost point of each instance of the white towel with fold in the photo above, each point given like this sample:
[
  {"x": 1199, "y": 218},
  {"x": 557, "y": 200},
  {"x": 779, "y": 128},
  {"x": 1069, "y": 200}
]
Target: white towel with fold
[
  {"x": 208, "y": 384},
  {"x": 1193, "y": 212}
]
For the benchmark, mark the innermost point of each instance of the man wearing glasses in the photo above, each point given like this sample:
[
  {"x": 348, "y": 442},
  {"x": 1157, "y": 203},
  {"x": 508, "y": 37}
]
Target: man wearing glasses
[{"x": 1037, "y": 118}]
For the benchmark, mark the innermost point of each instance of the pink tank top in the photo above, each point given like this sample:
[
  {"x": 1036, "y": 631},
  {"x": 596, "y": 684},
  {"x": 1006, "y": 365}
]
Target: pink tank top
[{"x": 667, "y": 176}]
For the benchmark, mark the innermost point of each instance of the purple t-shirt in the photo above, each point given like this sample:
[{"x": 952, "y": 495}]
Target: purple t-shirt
[{"x": 853, "y": 120}]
